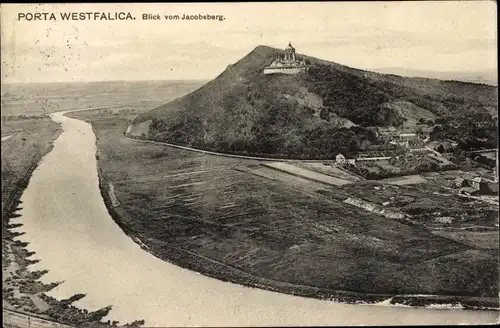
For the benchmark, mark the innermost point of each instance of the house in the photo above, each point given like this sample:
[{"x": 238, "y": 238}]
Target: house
[
  {"x": 440, "y": 146},
  {"x": 407, "y": 135},
  {"x": 340, "y": 159},
  {"x": 476, "y": 186},
  {"x": 480, "y": 184},
  {"x": 469, "y": 191},
  {"x": 476, "y": 182},
  {"x": 404, "y": 139}
]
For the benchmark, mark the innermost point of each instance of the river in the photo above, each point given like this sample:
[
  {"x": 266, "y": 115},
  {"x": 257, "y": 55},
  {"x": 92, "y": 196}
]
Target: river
[{"x": 69, "y": 228}]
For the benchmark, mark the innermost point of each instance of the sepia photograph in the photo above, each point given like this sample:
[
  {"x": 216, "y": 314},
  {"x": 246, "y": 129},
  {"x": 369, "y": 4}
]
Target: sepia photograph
[{"x": 249, "y": 164}]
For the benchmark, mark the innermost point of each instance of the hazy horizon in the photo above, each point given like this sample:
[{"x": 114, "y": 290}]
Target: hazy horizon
[
  {"x": 104, "y": 81},
  {"x": 436, "y": 36},
  {"x": 393, "y": 70},
  {"x": 381, "y": 70}
]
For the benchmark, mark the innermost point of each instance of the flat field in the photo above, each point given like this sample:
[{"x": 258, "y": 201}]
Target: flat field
[
  {"x": 237, "y": 220},
  {"x": 40, "y": 98},
  {"x": 329, "y": 169},
  {"x": 308, "y": 174}
]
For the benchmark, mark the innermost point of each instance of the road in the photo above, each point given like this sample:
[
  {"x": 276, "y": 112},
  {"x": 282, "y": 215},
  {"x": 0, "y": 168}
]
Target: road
[
  {"x": 483, "y": 151},
  {"x": 484, "y": 199},
  {"x": 233, "y": 156}
]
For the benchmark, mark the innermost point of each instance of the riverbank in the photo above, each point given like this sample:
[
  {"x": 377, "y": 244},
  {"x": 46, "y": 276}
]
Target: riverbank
[
  {"x": 22, "y": 289},
  {"x": 193, "y": 258},
  {"x": 21, "y": 155}
]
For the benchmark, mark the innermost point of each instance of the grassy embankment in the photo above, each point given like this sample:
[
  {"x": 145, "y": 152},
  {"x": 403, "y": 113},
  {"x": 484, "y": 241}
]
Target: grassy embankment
[
  {"x": 30, "y": 140},
  {"x": 217, "y": 216}
]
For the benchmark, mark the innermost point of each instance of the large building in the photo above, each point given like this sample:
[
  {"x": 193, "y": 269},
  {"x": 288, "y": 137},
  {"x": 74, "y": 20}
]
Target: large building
[{"x": 286, "y": 64}]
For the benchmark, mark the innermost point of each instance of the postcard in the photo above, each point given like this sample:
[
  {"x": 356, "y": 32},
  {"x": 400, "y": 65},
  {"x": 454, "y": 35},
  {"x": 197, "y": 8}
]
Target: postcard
[{"x": 249, "y": 164}]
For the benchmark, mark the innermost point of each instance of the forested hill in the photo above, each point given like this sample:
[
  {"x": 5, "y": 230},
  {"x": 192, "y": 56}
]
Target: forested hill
[{"x": 311, "y": 115}]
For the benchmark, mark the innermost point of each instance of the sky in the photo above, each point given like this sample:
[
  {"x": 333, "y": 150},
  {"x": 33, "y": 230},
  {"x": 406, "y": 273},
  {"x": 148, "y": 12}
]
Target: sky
[{"x": 423, "y": 35}]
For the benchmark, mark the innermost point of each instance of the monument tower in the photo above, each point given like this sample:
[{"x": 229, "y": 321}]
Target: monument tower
[
  {"x": 290, "y": 53},
  {"x": 288, "y": 64}
]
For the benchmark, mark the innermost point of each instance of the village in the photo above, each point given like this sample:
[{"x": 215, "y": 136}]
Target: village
[{"x": 474, "y": 175}]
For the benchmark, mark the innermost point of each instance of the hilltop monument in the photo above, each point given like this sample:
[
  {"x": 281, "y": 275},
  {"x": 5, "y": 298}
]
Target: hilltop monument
[{"x": 288, "y": 64}]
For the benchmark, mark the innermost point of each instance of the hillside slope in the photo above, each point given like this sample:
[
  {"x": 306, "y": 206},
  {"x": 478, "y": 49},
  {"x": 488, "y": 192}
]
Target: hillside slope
[{"x": 308, "y": 115}]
